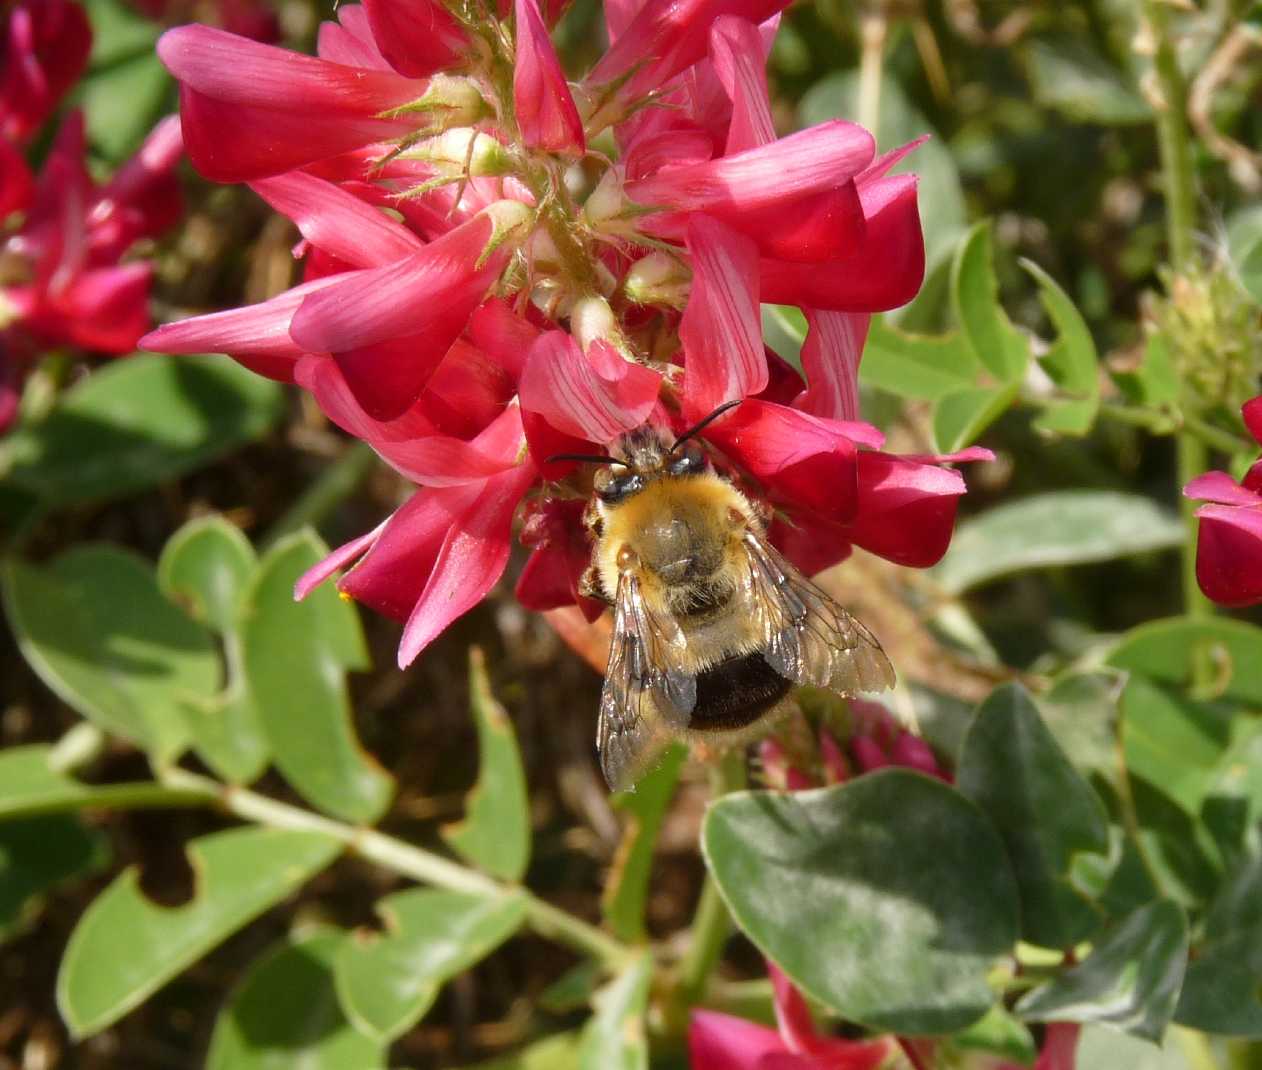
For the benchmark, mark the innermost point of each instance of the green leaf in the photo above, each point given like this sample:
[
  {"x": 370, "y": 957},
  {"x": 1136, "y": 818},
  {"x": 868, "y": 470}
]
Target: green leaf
[
  {"x": 495, "y": 832},
  {"x": 959, "y": 418},
  {"x": 96, "y": 629},
  {"x": 1081, "y": 711},
  {"x": 850, "y": 890},
  {"x": 784, "y": 329},
  {"x": 1080, "y": 83},
  {"x": 626, "y": 888},
  {"x": 1130, "y": 980},
  {"x": 1167, "y": 651},
  {"x": 122, "y": 103},
  {"x": 39, "y": 853},
  {"x": 1072, "y": 362},
  {"x": 1222, "y": 992},
  {"x": 125, "y": 947},
  {"x": 295, "y": 656},
  {"x": 920, "y": 366},
  {"x": 942, "y": 205},
  {"x": 615, "y": 1038},
  {"x": 1171, "y": 742},
  {"x": 1064, "y": 527},
  {"x": 998, "y": 345},
  {"x": 29, "y": 787},
  {"x": 119, "y": 32},
  {"x": 206, "y": 567},
  {"x": 1154, "y": 384},
  {"x": 1102, "y": 1048},
  {"x": 388, "y": 981},
  {"x": 558, "y": 1052},
  {"x": 285, "y": 1014},
  {"x": 138, "y": 422},
  {"x": 1045, "y": 811}
]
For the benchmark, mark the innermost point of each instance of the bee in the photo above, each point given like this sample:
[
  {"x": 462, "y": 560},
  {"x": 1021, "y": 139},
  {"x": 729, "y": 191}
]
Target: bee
[{"x": 712, "y": 627}]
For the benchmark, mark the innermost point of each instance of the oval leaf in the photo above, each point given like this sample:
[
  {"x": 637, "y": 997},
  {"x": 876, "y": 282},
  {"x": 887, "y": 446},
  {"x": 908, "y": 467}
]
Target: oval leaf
[
  {"x": 851, "y": 890},
  {"x": 95, "y": 628},
  {"x": 495, "y": 833},
  {"x": 126, "y": 947},
  {"x": 1071, "y": 362},
  {"x": 295, "y": 656},
  {"x": 1130, "y": 980},
  {"x": 999, "y": 346},
  {"x": 39, "y": 853},
  {"x": 387, "y": 982},
  {"x": 286, "y": 1014},
  {"x": 1168, "y": 651},
  {"x": 1070, "y": 527},
  {"x": 1045, "y": 811}
]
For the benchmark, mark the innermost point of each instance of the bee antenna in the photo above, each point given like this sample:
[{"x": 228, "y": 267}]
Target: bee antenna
[
  {"x": 585, "y": 458},
  {"x": 697, "y": 428}
]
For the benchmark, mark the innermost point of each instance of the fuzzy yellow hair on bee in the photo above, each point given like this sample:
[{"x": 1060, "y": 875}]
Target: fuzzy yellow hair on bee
[{"x": 712, "y": 626}]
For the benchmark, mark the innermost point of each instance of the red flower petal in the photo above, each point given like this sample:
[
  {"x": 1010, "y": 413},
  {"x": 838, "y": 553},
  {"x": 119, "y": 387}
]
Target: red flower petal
[
  {"x": 737, "y": 52},
  {"x": 883, "y": 270},
  {"x": 1220, "y": 487},
  {"x": 721, "y": 328},
  {"x": 906, "y": 510},
  {"x": 1252, "y": 413},
  {"x": 502, "y": 335},
  {"x": 794, "y": 196},
  {"x": 350, "y": 40},
  {"x": 541, "y": 97},
  {"x": 800, "y": 459},
  {"x": 283, "y": 109},
  {"x": 830, "y": 359},
  {"x": 469, "y": 563},
  {"x": 722, "y": 1042},
  {"x": 256, "y": 335},
  {"x": 1229, "y": 554},
  {"x": 594, "y": 397},
  {"x": 390, "y": 327},
  {"x": 344, "y": 555},
  {"x": 16, "y": 182},
  {"x": 44, "y": 50},
  {"x": 143, "y": 198},
  {"x": 338, "y": 222},
  {"x": 418, "y": 37}
]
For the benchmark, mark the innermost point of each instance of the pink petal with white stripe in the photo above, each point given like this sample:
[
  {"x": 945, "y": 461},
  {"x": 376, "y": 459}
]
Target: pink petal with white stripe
[
  {"x": 721, "y": 330},
  {"x": 830, "y": 359},
  {"x": 594, "y": 397},
  {"x": 736, "y": 49},
  {"x": 336, "y": 221}
]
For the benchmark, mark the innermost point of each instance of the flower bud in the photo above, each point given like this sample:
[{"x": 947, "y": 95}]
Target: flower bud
[
  {"x": 466, "y": 150},
  {"x": 591, "y": 320},
  {"x": 452, "y": 101},
  {"x": 658, "y": 279}
]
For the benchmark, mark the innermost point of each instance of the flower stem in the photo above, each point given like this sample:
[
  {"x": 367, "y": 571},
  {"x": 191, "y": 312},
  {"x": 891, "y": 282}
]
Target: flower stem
[
  {"x": 1172, "y": 138},
  {"x": 1193, "y": 460},
  {"x": 403, "y": 858},
  {"x": 711, "y": 924},
  {"x": 333, "y": 486}
]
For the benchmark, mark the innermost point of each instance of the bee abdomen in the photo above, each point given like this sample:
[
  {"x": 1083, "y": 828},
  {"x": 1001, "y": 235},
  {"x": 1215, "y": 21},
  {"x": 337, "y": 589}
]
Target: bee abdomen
[{"x": 736, "y": 692}]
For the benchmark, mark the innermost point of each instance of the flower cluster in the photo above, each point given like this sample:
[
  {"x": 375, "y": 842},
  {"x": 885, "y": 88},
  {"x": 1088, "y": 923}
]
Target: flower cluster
[
  {"x": 1229, "y": 543},
  {"x": 501, "y": 266},
  {"x": 62, "y": 282}
]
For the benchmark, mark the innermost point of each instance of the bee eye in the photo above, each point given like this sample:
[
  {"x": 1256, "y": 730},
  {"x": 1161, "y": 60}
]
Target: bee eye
[
  {"x": 615, "y": 488},
  {"x": 691, "y": 461}
]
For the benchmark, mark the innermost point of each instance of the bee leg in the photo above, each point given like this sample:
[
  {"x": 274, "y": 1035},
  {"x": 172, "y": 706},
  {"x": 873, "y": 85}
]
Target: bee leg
[
  {"x": 589, "y": 586},
  {"x": 592, "y": 521}
]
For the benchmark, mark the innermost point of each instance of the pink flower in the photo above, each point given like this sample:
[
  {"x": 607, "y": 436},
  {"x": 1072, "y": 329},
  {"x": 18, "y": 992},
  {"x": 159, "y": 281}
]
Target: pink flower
[
  {"x": 1229, "y": 543},
  {"x": 44, "y": 46},
  {"x": 722, "y": 1042},
  {"x": 469, "y": 333},
  {"x": 62, "y": 282}
]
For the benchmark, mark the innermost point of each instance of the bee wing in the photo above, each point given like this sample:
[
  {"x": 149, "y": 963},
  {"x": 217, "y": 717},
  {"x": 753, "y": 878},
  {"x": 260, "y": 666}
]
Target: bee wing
[
  {"x": 808, "y": 637},
  {"x": 644, "y": 684}
]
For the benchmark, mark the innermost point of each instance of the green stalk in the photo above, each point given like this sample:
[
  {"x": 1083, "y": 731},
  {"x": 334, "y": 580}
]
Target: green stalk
[
  {"x": 1180, "y": 189},
  {"x": 711, "y": 924},
  {"x": 403, "y": 858}
]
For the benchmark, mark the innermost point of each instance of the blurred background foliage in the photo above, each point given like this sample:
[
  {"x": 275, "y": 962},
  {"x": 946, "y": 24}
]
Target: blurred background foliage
[{"x": 1041, "y": 121}]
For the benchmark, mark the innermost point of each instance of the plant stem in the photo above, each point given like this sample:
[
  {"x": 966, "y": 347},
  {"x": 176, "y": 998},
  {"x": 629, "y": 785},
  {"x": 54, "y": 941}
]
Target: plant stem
[
  {"x": 1172, "y": 138},
  {"x": 872, "y": 33},
  {"x": 403, "y": 858},
  {"x": 333, "y": 486},
  {"x": 711, "y": 924}
]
